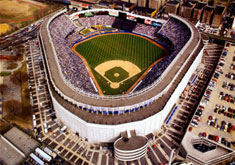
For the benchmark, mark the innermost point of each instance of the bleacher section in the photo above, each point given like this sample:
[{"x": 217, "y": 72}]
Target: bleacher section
[{"x": 123, "y": 24}]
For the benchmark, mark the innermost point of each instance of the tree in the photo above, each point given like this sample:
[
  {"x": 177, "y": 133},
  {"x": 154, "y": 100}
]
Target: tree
[
  {"x": 26, "y": 93},
  {"x": 18, "y": 77},
  {"x": 12, "y": 107},
  {"x": 3, "y": 89},
  {"x": 26, "y": 111}
]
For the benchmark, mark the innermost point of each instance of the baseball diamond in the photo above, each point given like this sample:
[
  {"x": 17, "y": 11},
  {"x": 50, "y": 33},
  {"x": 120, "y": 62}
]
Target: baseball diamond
[{"x": 115, "y": 66}]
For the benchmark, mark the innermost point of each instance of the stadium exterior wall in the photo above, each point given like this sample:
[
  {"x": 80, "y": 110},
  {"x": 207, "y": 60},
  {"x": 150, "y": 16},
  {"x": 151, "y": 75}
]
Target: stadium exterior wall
[{"x": 105, "y": 133}]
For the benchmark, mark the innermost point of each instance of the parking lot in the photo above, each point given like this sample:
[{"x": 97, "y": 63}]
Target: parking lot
[{"x": 217, "y": 107}]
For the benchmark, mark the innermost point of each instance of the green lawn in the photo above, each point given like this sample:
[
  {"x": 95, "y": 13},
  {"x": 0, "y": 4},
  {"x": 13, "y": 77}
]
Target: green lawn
[
  {"x": 126, "y": 47},
  {"x": 110, "y": 91},
  {"x": 5, "y": 74},
  {"x": 86, "y": 31}
]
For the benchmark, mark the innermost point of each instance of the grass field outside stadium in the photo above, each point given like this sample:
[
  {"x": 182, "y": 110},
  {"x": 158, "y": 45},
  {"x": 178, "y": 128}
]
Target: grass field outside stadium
[{"x": 118, "y": 60}]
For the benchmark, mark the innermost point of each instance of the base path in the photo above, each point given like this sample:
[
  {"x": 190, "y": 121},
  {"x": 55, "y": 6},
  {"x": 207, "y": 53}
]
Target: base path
[{"x": 131, "y": 68}]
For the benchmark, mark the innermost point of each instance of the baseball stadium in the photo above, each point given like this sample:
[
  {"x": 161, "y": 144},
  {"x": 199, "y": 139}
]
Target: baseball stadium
[{"x": 111, "y": 72}]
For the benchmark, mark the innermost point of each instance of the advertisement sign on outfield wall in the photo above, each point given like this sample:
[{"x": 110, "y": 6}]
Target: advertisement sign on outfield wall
[
  {"x": 131, "y": 18},
  {"x": 156, "y": 24},
  {"x": 147, "y": 21},
  {"x": 75, "y": 17},
  {"x": 113, "y": 13}
]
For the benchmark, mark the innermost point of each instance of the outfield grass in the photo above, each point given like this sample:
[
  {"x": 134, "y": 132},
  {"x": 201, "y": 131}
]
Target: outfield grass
[{"x": 126, "y": 47}]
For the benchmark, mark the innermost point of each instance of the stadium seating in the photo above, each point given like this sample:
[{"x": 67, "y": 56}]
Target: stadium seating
[{"x": 72, "y": 67}]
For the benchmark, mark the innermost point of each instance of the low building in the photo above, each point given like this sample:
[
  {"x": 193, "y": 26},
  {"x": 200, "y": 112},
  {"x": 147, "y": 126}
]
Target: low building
[
  {"x": 198, "y": 10},
  {"x": 21, "y": 140},
  {"x": 141, "y": 3},
  {"x": 221, "y": 3},
  {"x": 218, "y": 16},
  {"x": 172, "y": 7},
  {"x": 15, "y": 146},
  {"x": 207, "y": 15},
  {"x": 8, "y": 55},
  {"x": 156, "y": 4},
  {"x": 9, "y": 154},
  {"x": 186, "y": 9}
]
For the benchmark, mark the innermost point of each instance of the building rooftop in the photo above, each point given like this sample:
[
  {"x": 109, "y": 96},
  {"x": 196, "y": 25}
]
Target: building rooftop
[
  {"x": 173, "y": 2},
  {"x": 219, "y": 9},
  {"x": 8, "y": 154},
  {"x": 200, "y": 5},
  {"x": 209, "y": 8},
  {"x": 188, "y": 4},
  {"x": 21, "y": 140},
  {"x": 132, "y": 143},
  {"x": 203, "y": 156}
]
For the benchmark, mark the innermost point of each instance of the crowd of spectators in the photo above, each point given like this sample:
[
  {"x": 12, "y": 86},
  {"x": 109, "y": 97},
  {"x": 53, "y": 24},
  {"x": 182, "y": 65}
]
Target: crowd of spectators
[
  {"x": 74, "y": 37},
  {"x": 145, "y": 29},
  {"x": 72, "y": 67},
  {"x": 178, "y": 33},
  {"x": 109, "y": 21},
  {"x": 97, "y": 20}
]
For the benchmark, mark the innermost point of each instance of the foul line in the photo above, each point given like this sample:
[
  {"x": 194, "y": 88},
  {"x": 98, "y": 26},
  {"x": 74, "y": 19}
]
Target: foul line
[
  {"x": 89, "y": 71},
  {"x": 144, "y": 74}
]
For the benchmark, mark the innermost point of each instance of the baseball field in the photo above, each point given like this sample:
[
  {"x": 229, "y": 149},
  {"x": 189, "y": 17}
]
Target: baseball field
[
  {"x": 19, "y": 13},
  {"x": 116, "y": 61}
]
